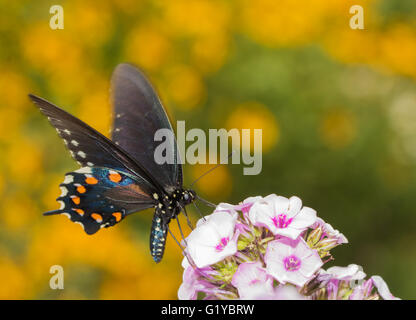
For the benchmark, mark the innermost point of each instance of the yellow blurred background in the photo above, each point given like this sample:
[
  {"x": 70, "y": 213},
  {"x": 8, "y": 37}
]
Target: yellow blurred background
[{"x": 337, "y": 107}]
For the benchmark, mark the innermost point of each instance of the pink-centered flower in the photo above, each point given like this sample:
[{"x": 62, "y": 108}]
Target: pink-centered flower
[
  {"x": 282, "y": 216},
  {"x": 291, "y": 261},
  {"x": 214, "y": 238},
  {"x": 252, "y": 281},
  {"x": 226, "y": 253}
]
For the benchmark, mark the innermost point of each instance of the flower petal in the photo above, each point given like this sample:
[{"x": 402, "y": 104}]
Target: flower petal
[
  {"x": 305, "y": 218},
  {"x": 382, "y": 288},
  {"x": 351, "y": 272},
  {"x": 296, "y": 278},
  {"x": 280, "y": 204},
  {"x": 204, "y": 240},
  {"x": 295, "y": 204},
  {"x": 291, "y": 233}
]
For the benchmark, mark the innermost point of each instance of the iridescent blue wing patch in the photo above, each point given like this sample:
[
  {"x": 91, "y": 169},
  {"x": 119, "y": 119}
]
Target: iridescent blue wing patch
[{"x": 98, "y": 198}]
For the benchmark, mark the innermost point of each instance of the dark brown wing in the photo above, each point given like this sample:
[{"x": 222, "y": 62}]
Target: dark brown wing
[{"x": 138, "y": 114}]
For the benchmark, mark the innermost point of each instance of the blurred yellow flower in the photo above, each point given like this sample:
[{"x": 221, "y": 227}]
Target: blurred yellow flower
[
  {"x": 95, "y": 110},
  {"x": 154, "y": 284},
  {"x": 88, "y": 23},
  {"x": 209, "y": 53},
  {"x": 338, "y": 128},
  {"x": 254, "y": 115},
  {"x": 58, "y": 241},
  {"x": 14, "y": 88},
  {"x": 128, "y": 7},
  {"x": 185, "y": 86},
  {"x": 147, "y": 47},
  {"x": 2, "y": 184},
  {"x": 11, "y": 120},
  {"x": 18, "y": 210},
  {"x": 72, "y": 86},
  {"x": 50, "y": 50},
  {"x": 285, "y": 22},
  {"x": 375, "y": 46},
  {"x": 14, "y": 281},
  {"x": 24, "y": 162},
  {"x": 127, "y": 272},
  {"x": 403, "y": 60},
  {"x": 196, "y": 17}
]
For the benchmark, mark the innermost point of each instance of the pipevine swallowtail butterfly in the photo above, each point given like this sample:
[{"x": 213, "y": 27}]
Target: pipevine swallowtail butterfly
[{"x": 119, "y": 177}]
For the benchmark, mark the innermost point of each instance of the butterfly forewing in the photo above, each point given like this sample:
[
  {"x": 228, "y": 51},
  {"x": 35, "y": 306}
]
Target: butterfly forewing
[
  {"x": 89, "y": 147},
  {"x": 138, "y": 114}
]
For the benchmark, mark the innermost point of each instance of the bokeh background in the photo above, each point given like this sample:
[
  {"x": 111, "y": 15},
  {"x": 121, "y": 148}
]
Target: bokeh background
[{"x": 337, "y": 107}]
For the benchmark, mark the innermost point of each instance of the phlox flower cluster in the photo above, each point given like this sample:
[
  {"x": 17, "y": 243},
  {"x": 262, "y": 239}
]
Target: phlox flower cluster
[{"x": 270, "y": 248}]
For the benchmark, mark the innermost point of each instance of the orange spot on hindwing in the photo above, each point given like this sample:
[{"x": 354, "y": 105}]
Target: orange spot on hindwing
[
  {"x": 97, "y": 217},
  {"x": 81, "y": 189},
  {"x": 79, "y": 211},
  {"x": 76, "y": 199},
  {"x": 117, "y": 215},
  {"x": 114, "y": 176},
  {"x": 91, "y": 180}
]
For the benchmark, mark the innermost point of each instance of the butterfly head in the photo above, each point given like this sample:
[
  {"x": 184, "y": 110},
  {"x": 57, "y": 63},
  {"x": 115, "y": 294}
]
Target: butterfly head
[{"x": 187, "y": 197}]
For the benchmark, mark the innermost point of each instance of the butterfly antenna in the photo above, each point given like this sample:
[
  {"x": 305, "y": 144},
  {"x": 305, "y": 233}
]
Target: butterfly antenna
[
  {"x": 203, "y": 175},
  {"x": 191, "y": 262},
  {"x": 199, "y": 211},
  {"x": 212, "y": 169},
  {"x": 180, "y": 230},
  {"x": 187, "y": 218},
  {"x": 210, "y": 204}
]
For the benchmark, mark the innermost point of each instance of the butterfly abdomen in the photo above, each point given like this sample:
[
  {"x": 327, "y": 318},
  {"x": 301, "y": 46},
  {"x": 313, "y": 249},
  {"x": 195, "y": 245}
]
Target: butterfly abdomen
[{"x": 158, "y": 235}]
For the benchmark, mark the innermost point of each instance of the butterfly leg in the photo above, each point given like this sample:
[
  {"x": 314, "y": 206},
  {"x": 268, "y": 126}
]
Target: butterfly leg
[
  {"x": 176, "y": 240},
  {"x": 191, "y": 262},
  {"x": 180, "y": 230}
]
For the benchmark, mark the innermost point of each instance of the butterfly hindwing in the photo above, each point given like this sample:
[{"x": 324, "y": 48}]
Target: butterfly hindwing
[{"x": 100, "y": 197}]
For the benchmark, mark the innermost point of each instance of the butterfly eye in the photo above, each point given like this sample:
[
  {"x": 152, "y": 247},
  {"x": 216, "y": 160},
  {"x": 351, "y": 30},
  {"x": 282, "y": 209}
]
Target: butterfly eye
[{"x": 185, "y": 196}]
